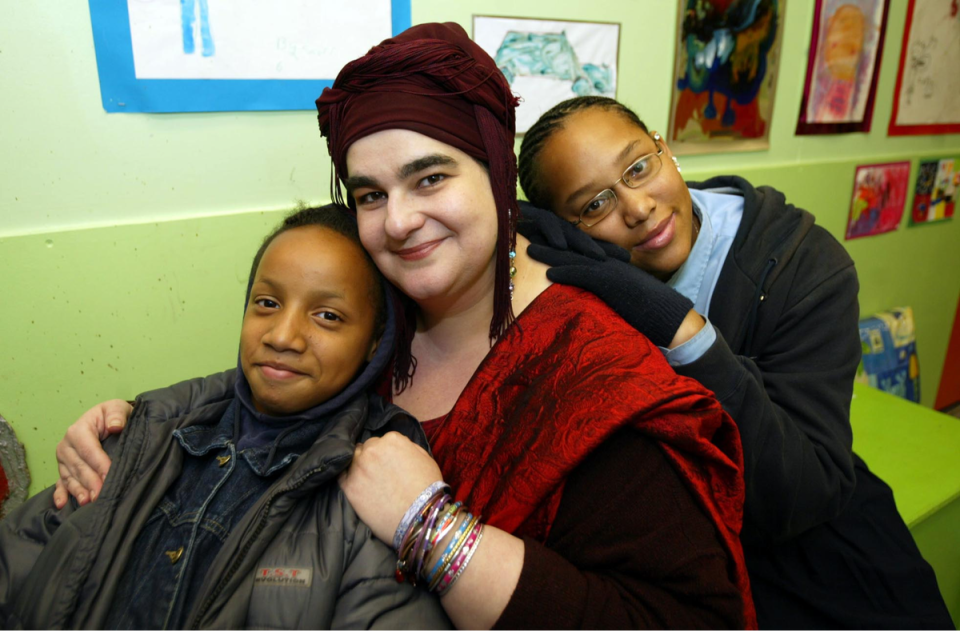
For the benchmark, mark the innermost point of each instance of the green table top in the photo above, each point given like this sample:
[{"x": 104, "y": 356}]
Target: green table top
[{"x": 914, "y": 449}]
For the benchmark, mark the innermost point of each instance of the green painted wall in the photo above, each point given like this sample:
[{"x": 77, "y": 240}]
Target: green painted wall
[{"x": 125, "y": 239}]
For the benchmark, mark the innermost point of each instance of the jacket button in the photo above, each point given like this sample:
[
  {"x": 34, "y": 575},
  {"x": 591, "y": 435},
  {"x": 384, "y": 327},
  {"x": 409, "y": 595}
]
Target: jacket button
[
  {"x": 222, "y": 460},
  {"x": 174, "y": 555}
]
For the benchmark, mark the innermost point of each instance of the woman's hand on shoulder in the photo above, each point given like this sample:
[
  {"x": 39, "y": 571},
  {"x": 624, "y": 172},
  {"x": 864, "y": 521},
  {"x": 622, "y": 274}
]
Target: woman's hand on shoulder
[
  {"x": 82, "y": 462},
  {"x": 385, "y": 477}
]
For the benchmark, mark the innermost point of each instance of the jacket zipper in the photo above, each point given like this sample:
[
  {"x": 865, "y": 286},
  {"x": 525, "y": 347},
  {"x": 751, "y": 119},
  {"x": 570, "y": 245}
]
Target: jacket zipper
[
  {"x": 758, "y": 297},
  {"x": 246, "y": 548}
]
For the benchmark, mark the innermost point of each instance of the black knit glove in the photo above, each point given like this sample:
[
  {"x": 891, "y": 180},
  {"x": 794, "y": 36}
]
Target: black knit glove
[
  {"x": 647, "y": 304},
  {"x": 545, "y": 228}
]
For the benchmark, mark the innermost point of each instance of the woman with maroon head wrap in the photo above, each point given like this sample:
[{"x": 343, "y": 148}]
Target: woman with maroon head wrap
[
  {"x": 610, "y": 489},
  {"x": 581, "y": 529}
]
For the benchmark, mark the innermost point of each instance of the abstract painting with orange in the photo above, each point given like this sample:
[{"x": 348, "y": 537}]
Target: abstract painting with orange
[
  {"x": 879, "y": 196},
  {"x": 726, "y": 66},
  {"x": 842, "y": 69}
]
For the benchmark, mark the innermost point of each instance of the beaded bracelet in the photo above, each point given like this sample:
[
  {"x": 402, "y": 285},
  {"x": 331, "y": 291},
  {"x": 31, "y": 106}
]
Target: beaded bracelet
[{"x": 414, "y": 510}]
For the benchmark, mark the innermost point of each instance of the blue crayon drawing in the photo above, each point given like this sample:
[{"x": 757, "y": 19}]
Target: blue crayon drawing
[
  {"x": 551, "y": 55},
  {"x": 188, "y": 11}
]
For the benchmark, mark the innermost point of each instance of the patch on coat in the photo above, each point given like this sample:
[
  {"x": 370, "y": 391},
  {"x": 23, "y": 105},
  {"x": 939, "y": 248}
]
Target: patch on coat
[{"x": 283, "y": 576}]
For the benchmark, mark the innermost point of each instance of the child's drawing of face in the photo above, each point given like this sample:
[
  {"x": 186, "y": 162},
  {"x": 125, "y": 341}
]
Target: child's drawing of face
[{"x": 309, "y": 325}]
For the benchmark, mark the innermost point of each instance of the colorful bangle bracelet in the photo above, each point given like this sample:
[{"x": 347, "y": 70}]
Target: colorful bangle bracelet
[
  {"x": 469, "y": 555},
  {"x": 442, "y": 581},
  {"x": 453, "y": 545},
  {"x": 470, "y": 535},
  {"x": 414, "y": 510},
  {"x": 451, "y": 552},
  {"x": 420, "y": 550}
]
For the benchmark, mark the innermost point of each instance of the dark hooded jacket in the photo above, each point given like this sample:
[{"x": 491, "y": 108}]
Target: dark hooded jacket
[
  {"x": 824, "y": 544},
  {"x": 60, "y": 569},
  {"x": 786, "y": 308}
]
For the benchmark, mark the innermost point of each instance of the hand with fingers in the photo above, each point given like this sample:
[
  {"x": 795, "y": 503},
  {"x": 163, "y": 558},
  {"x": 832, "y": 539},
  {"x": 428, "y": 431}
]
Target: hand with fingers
[
  {"x": 82, "y": 462},
  {"x": 384, "y": 478},
  {"x": 647, "y": 304},
  {"x": 544, "y": 228}
]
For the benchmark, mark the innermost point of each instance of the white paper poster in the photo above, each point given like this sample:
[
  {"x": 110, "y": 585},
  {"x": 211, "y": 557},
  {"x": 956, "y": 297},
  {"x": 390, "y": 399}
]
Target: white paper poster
[{"x": 547, "y": 62}]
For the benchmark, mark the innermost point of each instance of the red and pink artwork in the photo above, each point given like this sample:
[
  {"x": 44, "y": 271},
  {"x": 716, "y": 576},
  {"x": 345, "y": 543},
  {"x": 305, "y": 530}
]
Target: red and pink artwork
[
  {"x": 879, "y": 197},
  {"x": 843, "y": 66}
]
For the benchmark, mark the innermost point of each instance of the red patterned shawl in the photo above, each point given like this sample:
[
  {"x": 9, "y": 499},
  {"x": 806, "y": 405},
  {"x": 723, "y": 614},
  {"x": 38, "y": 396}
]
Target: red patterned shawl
[{"x": 566, "y": 376}]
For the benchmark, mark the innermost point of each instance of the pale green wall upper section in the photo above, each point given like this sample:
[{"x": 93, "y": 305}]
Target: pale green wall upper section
[
  {"x": 94, "y": 311},
  {"x": 68, "y": 164}
]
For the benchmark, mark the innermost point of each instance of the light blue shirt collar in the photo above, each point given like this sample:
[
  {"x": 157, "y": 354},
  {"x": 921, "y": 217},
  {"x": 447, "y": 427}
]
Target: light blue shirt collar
[{"x": 688, "y": 280}]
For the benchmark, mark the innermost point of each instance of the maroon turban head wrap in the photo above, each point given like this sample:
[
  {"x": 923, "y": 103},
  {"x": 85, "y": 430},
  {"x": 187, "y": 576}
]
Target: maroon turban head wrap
[{"x": 434, "y": 80}]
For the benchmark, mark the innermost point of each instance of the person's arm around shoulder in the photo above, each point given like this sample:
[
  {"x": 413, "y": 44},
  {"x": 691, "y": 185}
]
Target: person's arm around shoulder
[{"x": 81, "y": 460}]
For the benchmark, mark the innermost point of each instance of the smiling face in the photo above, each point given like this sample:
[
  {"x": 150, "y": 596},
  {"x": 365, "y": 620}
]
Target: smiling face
[
  {"x": 309, "y": 325},
  {"x": 586, "y": 155},
  {"x": 426, "y": 216}
]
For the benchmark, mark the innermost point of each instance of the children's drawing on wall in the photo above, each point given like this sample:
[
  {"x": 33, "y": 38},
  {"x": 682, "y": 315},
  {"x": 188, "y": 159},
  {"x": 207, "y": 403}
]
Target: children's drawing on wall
[
  {"x": 549, "y": 61},
  {"x": 727, "y": 58},
  {"x": 927, "y": 95},
  {"x": 935, "y": 195},
  {"x": 231, "y": 55},
  {"x": 300, "y": 39},
  {"x": 843, "y": 66},
  {"x": 879, "y": 196},
  {"x": 188, "y": 18}
]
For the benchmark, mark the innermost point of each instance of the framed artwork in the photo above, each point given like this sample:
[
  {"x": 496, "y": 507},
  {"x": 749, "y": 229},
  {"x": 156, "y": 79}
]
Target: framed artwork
[
  {"x": 927, "y": 95},
  {"x": 879, "y": 196},
  {"x": 231, "y": 55},
  {"x": 843, "y": 66},
  {"x": 935, "y": 193},
  {"x": 727, "y": 59},
  {"x": 549, "y": 61}
]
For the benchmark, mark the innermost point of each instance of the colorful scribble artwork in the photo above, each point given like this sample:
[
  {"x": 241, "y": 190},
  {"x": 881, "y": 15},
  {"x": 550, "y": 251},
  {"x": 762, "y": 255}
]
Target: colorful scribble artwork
[
  {"x": 879, "y": 196},
  {"x": 549, "y": 61},
  {"x": 935, "y": 194},
  {"x": 728, "y": 55},
  {"x": 843, "y": 66},
  {"x": 927, "y": 94}
]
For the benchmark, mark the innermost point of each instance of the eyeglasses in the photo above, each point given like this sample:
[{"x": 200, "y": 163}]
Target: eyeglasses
[{"x": 636, "y": 175}]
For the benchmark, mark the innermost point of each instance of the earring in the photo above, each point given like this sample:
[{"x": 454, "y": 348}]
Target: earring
[
  {"x": 676, "y": 163},
  {"x": 513, "y": 271}
]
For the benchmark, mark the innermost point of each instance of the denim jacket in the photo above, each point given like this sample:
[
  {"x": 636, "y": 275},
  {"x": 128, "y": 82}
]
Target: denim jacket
[{"x": 299, "y": 557}]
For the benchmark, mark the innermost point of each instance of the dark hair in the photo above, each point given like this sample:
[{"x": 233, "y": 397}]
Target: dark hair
[
  {"x": 341, "y": 220},
  {"x": 551, "y": 121}
]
